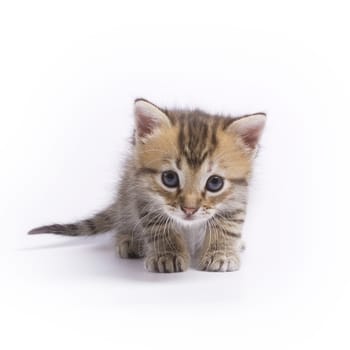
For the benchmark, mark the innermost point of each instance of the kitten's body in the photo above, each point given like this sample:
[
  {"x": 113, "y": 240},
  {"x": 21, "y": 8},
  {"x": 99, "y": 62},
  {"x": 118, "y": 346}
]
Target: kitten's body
[{"x": 170, "y": 206}]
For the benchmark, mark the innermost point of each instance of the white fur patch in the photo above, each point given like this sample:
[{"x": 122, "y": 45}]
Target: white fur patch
[{"x": 194, "y": 236}]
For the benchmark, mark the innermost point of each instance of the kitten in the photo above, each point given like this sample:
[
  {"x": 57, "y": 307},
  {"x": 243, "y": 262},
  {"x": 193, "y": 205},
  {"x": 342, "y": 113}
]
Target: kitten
[{"x": 183, "y": 192}]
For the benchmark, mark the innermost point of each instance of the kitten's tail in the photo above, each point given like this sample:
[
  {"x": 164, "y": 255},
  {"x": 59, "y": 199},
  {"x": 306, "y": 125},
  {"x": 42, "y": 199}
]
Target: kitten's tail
[{"x": 99, "y": 223}]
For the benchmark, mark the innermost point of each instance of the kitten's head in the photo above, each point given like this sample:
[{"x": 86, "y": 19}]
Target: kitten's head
[{"x": 194, "y": 165}]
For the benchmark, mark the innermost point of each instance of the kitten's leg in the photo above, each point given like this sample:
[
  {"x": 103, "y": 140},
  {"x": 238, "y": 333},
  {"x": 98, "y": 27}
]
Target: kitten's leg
[
  {"x": 129, "y": 245},
  {"x": 222, "y": 244},
  {"x": 165, "y": 249}
]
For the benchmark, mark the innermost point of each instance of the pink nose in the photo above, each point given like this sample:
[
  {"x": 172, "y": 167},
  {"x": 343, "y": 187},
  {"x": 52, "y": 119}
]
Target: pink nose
[{"x": 189, "y": 211}]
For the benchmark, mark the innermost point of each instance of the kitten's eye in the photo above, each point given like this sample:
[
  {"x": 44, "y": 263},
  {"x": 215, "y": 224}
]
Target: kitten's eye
[
  {"x": 170, "y": 179},
  {"x": 214, "y": 183}
]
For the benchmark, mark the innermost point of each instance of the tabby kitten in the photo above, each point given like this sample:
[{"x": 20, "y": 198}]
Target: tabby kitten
[{"x": 183, "y": 193}]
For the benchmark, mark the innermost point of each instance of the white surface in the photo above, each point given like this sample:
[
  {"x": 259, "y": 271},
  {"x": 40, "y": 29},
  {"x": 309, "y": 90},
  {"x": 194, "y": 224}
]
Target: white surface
[{"x": 69, "y": 75}]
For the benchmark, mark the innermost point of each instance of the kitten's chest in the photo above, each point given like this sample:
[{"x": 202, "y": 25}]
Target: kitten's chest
[{"x": 194, "y": 236}]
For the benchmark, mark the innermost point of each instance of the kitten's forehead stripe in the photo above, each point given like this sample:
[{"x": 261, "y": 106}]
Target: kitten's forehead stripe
[
  {"x": 197, "y": 136},
  {"x": 214, "y": 140}
]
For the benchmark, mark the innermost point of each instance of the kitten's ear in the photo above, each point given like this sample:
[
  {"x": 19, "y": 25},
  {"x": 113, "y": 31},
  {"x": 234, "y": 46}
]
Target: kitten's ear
[
  {"x": 148, "y": 117},
  {"x": 249, "y": 128}
]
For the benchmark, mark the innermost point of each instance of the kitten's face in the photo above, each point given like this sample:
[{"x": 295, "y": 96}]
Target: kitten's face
[{"x": 193, "y": 165}]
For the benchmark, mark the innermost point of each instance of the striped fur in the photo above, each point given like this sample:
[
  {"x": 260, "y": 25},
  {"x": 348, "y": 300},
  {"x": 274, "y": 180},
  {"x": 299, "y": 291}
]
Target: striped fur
[
  {"x": 101, "y": 222},
  {"x": 150, "y": 218}
]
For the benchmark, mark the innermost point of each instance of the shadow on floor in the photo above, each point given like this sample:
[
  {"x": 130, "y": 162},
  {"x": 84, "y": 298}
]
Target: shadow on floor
[{"x": 101, "y": 258}]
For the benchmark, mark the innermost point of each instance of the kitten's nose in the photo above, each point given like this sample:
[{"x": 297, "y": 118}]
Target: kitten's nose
[{"x": 189, "y": 211}]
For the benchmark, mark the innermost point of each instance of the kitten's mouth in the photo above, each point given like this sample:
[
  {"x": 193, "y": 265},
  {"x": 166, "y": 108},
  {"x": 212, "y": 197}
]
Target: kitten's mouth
[
  {"x": 193, "y": 218},
  {"x": 187, "y": 218}
]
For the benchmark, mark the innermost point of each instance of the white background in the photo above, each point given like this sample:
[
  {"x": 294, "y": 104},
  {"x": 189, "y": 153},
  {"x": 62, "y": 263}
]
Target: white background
[{"x": 69, "y": 73}]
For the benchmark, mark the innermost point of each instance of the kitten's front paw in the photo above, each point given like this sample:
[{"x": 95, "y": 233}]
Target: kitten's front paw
[
  {"x": 168, "y": 262},
  {"x": 219, "y": 262}
]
